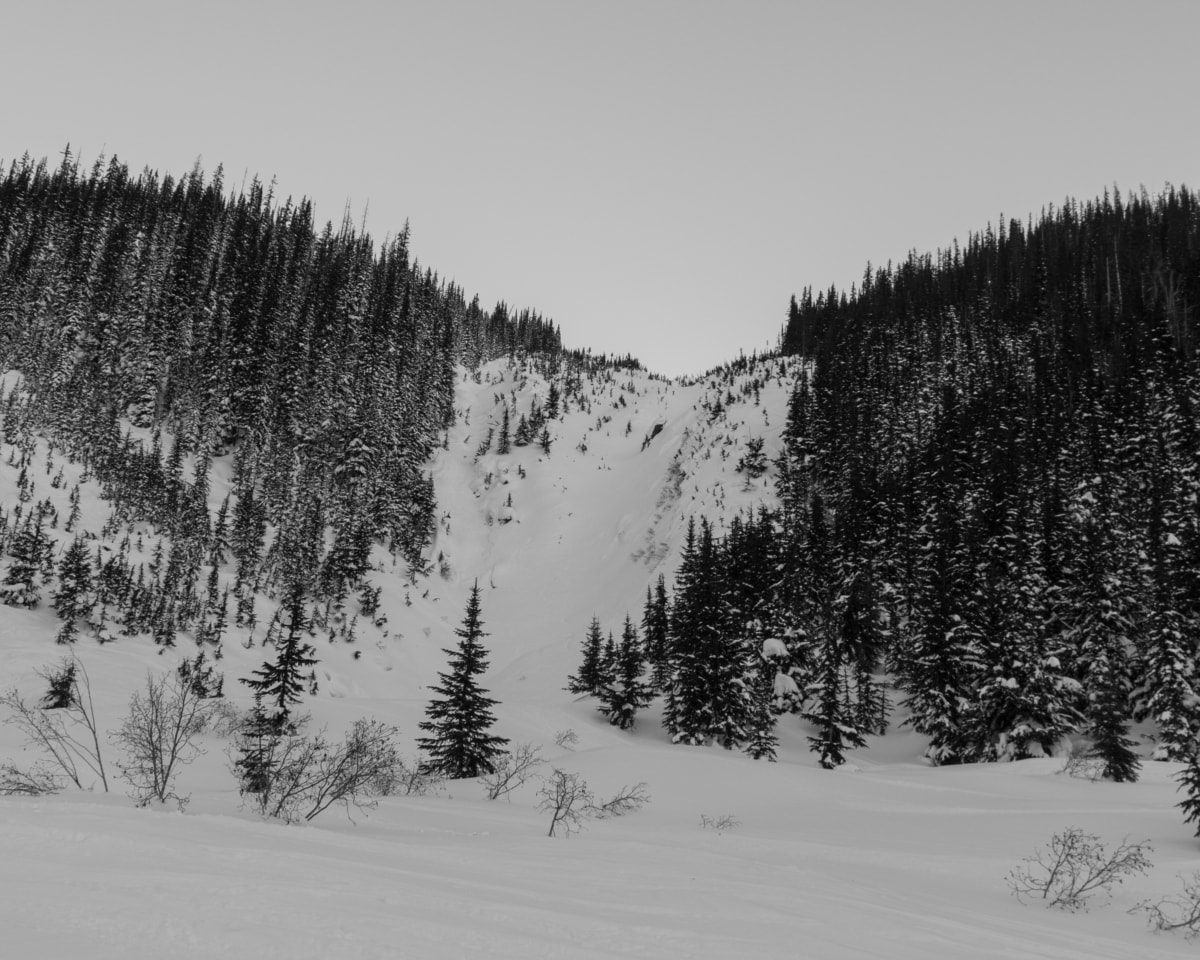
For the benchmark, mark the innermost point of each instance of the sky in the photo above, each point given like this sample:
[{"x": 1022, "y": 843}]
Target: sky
[{"x": 658, "y": 177}]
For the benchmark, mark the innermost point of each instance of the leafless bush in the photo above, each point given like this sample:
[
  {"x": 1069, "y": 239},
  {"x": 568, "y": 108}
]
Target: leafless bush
[
  {"x": 1084, "y": 767},
  {"x": 567, "y": 797},
  {"x": 1180, "y": 912},
  {"x": 1075, "y": 867},
  {"x": 570, "y": 801},
  {"x": 65, "y": 732},
  {"x": 298, "y": 777},
  {"x": 405, "y": 780},
  {"x": 512, "y": 770},
  {"x": 566, "y": 739},
  {"x": 721, "y": 822},
  {"x": 626, "y": 800},
  {"x": 37, "y": 781},
  {"x": 225, "y": 719},
  {"x": 159, "y": 735}
]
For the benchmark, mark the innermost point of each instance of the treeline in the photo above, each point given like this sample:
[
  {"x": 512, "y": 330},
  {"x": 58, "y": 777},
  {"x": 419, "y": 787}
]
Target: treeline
[
  {"x": 990, "y": 489},
  {"x": 1005, "y": 436},
  {"x": 229, "y": 319},
  {"x": 157, "y": 324}
]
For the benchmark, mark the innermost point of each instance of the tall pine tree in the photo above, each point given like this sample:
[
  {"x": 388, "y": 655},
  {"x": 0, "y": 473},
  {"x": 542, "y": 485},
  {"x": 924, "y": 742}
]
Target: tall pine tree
[{"x": 458, "y": 744}]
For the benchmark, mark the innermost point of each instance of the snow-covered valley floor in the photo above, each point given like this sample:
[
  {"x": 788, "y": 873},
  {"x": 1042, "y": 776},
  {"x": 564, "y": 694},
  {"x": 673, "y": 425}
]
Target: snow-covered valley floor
[{"x": 886, "y": 857}]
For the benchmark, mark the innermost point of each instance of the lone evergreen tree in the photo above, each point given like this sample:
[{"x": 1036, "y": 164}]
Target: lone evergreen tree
[
  {"x": 458, "y": 745},
  {"x": 589, "y": 679},
  {"x": 280, "y": 684}
]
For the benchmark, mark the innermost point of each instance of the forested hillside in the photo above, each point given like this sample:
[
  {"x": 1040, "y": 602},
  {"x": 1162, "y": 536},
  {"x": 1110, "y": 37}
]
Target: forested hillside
[
  {"x": 999, "y": 456},
  {"x": 138, "y": 308}
]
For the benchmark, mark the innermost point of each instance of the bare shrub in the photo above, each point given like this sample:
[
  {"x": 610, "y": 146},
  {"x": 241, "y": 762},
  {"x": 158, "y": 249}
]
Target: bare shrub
[
  {"x": 566, "y": 739},
  {"x": 1075, "y": 867},
  {"x": 65, "y": 732},
  {"x": 1084, "y": 767},
  {"x": 567, "y": 797},
  {"x": 159, "y": 735},
  {"x": 406, "y": 780},
  {"x": 225, "y": 719},
  {"x": 626, "y": 800},
  {"x": 721, "y": 822},
  {"x": 1180, "y": 912},
  {"x": 297, "y": 777},
  {"x": 570, "y": 801},
  {"x": 38, "y": 781},
  {"x": 512, "y": 770}
]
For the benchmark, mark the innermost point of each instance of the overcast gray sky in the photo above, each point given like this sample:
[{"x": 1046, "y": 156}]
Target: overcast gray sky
[{"x": 657, "y": 176}]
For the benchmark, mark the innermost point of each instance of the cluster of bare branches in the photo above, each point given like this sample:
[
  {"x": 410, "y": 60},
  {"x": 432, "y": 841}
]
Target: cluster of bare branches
[
  {"x": 1178, "y": 912},
  {"x": 62, "y": 727},
  {"x": 569, "y": 800},
  {"x": 159, "y": 736},
  {"x": 1074, "y": 868},
  {"x": 297, "y": 777},
  {"x": 513, "y": 770},
  {"x": 721, "y": 823}
]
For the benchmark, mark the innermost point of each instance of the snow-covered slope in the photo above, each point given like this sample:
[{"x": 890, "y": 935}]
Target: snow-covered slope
[{"x": 885, "y": 857}]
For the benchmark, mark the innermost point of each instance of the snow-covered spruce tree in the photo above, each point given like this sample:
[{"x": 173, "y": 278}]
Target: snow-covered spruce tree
[
  {"x": 590, "y": 677},
  {"x": 1101, "y": 607},
  {"x": 29, "y": 551},
  {"x": 1189, "y": 780},
  {"x": 71, "y": 599},
  {"x": 656, "y": 634},
  {"x": 1168, "y": 689},
  {"x": 763, "y": 741},
  {"x": 1025, "y": 702},
  {"x": 608, "y": 661},
  {"x": 625, "y": 692},
  {"x": 504, "y": 440},
  {"x": 709, "y": 694},
  {"x": 938, "y": 664},
  {"x": 857, "y": 610},
  {"x": 754, "y": 462},
  {"x": 458, "y": 744},
  {"x": 523, "y": 434},
  {"x": 833, "y": 628},
  {"x": 278, "y": 685}
]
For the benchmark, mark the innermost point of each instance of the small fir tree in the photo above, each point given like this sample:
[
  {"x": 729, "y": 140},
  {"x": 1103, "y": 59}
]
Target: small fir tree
[
  {"x": 459, "y": 717},
  {"x": 625, "y": 693},
  {"x": 589, "y": 678},
  {"x": 71, "y": 599},
  {"x": 656, "y": 632},
  {"x": 504, "y": 442},
  {"x": 277, "y": 686}
]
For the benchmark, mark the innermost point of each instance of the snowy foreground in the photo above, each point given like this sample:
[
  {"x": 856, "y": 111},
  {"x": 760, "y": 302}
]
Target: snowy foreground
[{"x": 884, "y": 858}]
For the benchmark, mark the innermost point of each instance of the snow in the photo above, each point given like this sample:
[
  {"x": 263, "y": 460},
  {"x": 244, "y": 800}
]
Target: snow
[
  {"x": 774, "y": 647},
  {"x": 885, "y": 857}
]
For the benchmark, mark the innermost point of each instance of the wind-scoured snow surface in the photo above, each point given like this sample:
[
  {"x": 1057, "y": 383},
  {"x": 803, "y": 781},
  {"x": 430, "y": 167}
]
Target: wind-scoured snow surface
[{"x": 884, "y": 858}]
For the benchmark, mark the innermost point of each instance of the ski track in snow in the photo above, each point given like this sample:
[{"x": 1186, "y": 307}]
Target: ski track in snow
[{"x": 885, "y": 858}]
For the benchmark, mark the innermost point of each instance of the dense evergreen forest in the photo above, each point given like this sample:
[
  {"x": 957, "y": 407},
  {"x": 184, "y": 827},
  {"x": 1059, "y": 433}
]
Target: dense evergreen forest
[
  {"x": 990, "y": 490},
  {"x": 157, "y": 322}
]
